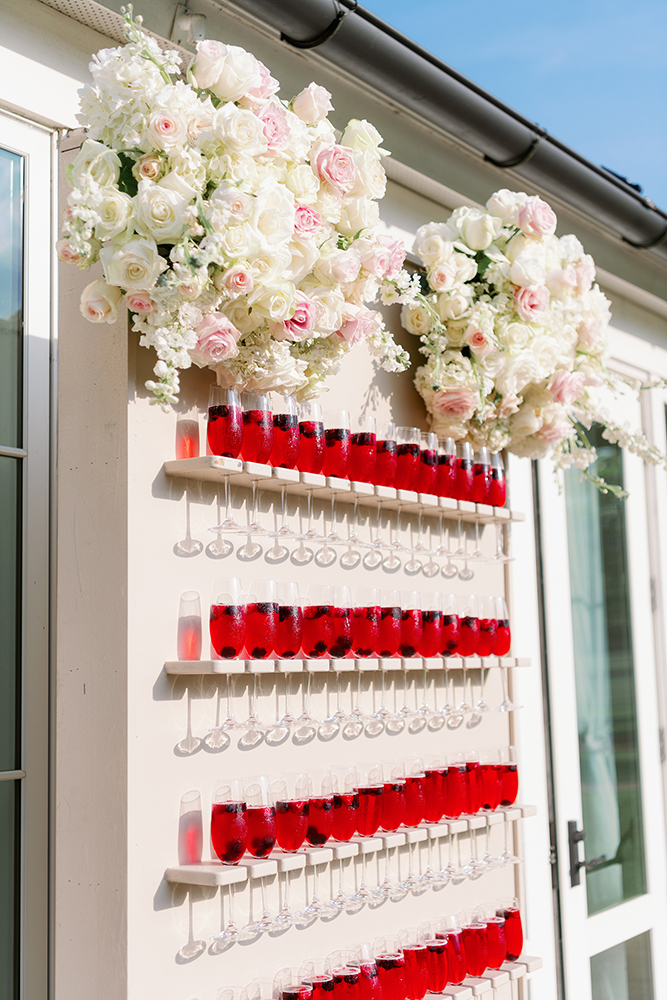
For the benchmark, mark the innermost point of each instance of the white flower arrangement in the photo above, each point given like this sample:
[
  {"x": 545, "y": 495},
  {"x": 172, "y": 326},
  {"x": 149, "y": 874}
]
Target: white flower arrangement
[
  {"x": 513, "y": 329},
  {"x": 235, "y": 228}
]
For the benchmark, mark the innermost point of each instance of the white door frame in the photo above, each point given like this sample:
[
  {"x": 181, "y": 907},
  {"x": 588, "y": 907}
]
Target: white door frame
[{"x": 584, "y": 936}]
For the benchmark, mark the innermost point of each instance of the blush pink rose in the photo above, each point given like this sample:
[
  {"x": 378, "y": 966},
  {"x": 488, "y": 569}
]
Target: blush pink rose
[
  {"x": 508, "y": 405},
  {"x": 589, "y": 331},
  {"x": 312, "y": 104},
  {"x": 307, "y": 221},
  {"x": 397, "y": 255},
  {"x": 266, "y": 87},
  {"x": 536, "y": 218},
  {"x": 456, "y": 403},
  {"x": 585, "y": 271},
  {"x": 335, "y": 165},
  {"x": 237, "y": 280},
  {"x": 442, "y": 276},
  {"x": 216, "y": 338},
  {"x": 565, "y": 386},
  {"x": 531, "y": 303},
  {"x": 276, "y": 129},
  {"x": 478, "y": 342},
  {"x": 139, "y": 302},
  {"x": 344, "y": 266},
  {"x": 554, "y": 433},
  {"x": 358, "y": 323},
  {"x": 66, "y": 252},
  {"x": 301, "y": 324}
]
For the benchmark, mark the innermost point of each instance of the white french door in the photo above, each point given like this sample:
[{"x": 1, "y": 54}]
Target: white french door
[{"x": 598, "y": 554}]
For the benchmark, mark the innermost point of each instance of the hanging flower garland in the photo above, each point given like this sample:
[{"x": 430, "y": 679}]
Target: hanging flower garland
[
  {"x": 235, "y": 228},
  {"x": 513, "y": 329}
]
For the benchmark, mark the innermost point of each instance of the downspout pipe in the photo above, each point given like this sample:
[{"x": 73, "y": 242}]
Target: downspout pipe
[{"x": 392, "y": 64}]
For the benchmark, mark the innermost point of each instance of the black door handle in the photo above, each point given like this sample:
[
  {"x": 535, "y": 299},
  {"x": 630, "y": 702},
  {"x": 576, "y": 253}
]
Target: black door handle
[{"x": 574, "y": 837}]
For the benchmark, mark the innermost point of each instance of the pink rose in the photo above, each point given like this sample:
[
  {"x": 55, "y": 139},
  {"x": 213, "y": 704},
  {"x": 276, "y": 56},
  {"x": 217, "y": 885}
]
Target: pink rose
[
  {"x": 301, "y": 324},
  {"x": 139, "y": 302},
  {"x": 217, "y": 338},
  {"x": 397, "y": 255},
  {"x": 66, "y": 252},
  {"x": 236, "y": 280},
  {"x": 312, "y": 104},
  {"x": 266, "y": 88},
  {"x": 554, "y": 433},
  {"x": 442, "y": 277},
  {"x": 531, "y": 303},
  {"x": 377, "y": 260},
  {"x": 335, "y": 165},
  {"x": 99, "y": 302},
  {"x": 589, "y": 331},
  {"x": 478, "y": 342},
  {"x": 358, "y": 323},
  {"x": 457, "y": 403},
  {"x": 276, "y": 128},
  {"x": 565, "y": 386},
  {"x": 307, "y": 221},
  {"x": 536, "y": 218},
  {"x": 344, "y": 266},
  {"x": 562, "y": 280},
  {"x": 585, "y": 271},
  {"x": 508, "y": 405}
]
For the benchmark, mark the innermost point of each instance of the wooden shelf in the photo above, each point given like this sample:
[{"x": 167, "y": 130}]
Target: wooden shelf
[
  {"x": 184, "y": 668},
  {"x": 215, "y": 469},
  {"x": 214, "y": 873}
]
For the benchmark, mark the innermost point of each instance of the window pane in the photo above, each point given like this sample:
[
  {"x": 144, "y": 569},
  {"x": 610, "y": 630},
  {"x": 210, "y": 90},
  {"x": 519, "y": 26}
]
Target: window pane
[
  {"x": 9, "y": 612},
  {"x": 11, "y": 295},
  {"x": 9, "y": 879},
  {"x": 604, "y": 669},
  {"x": 624, "y": 972}
]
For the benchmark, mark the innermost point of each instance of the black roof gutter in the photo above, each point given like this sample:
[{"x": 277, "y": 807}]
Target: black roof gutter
[{"x": 392, "y": 64}]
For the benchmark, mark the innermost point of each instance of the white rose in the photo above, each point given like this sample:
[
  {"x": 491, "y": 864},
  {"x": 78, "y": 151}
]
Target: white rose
[
  {"x": 432, "y": 243},
  {"x": 546, "y": 351},
  {"x": 312, "y": 104},
  {"x": 416, "y": 319},
  {"x": 304, "y": 255},
  {"x": 276, "y": 301},
  {"x": 360, "y": 135},
  {"x": 342, "y": 266},
  {"x": 114, "y": 210},
  {"x": 134, "y": 266},
  {"x": 329, "y": 203},
  {"x": 478, "y": 229},
  {"x": 562, "y": 281},
  {"x": 208, "y": 63},
  {"x": 371, "y": 180},
  {"x": 466, "y": 267},
  {"x": 240, "y": 130},
  {"x": 239, "y": 72},
  {"x": 364, "y": 290},
  {"x": 331, "y": 302},
  {"x": 442, "y": 276},
  {"x": 358, "y": 214},
  {"x": 229, "y": 204},
  {"x": 241, "y": 317},
  {"x": 165, "y": 129},
  {"x": 240, "y": 242},
  {"x": 159, "y": 212},
  {"x": 267, "y": 266},
  {"x": 303, "y": 183},
  {"x": 515, "y": 336},
  {"x": 99, "y": 302},
  {"x": 176, "y": 182},
  {"x": 273, "y": 215},
  {"x": 455, "y": 304},
  {"x": 528, "y": 269},
  {"x": 505, "y": 204},
  {"x": 96, "y": 162},
  {"x": 525, "y": 422},
  {"x": 517, "y": 372}
]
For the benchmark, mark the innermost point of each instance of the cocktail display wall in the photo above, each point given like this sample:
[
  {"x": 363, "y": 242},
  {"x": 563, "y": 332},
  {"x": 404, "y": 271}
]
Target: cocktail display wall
[{"x": 172, "y": 925}]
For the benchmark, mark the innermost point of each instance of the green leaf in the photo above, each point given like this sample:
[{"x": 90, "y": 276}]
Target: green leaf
[{"x": 127, "y": 182}]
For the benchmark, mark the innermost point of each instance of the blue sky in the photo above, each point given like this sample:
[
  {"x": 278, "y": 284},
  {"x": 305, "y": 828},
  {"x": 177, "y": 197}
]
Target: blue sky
[{"x": 593, "y": 73}]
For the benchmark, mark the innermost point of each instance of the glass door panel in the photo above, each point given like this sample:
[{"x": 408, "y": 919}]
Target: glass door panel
[
  {"x": 11, "y": 296},
  {"x": 624, "y": 972},
  {"x": 605, "y": 684}
]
